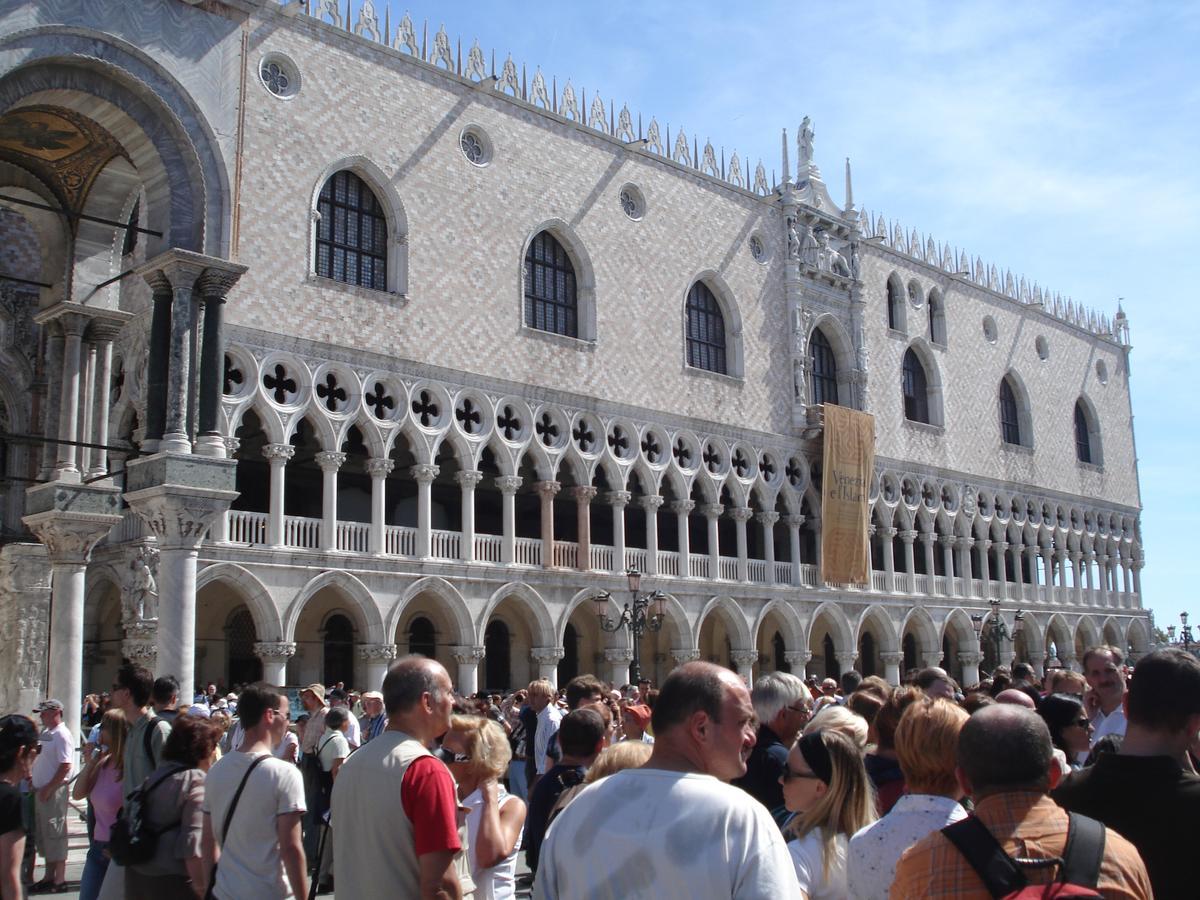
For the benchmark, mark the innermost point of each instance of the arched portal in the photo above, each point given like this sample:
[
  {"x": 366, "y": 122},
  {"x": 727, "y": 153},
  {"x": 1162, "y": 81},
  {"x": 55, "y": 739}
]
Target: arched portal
[
  {"x": 337, "y": 639},
  {"x": 422, "y": 638},
  {"x": 242, "y": 666},
  {"x": 497, "y": 643},
  {"x": 568, "y": 666}
]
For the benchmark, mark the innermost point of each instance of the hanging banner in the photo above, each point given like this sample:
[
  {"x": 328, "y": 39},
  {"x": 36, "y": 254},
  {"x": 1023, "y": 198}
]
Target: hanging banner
[{"x": 845, "y": 479}]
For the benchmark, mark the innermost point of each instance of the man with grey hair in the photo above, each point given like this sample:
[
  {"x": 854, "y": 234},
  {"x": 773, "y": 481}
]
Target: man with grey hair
[
  {"x": 1004, "y": 766},
  {"x": 395, "y": 804},
  {"x": 783, "y": 705}
]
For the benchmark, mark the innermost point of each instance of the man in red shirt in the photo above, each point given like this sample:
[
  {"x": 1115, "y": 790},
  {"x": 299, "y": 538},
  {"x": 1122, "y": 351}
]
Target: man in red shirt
[{"x": 395, "y": 805}]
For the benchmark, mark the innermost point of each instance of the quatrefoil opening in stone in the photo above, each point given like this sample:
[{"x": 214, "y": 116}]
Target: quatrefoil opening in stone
[
  {"x": 468, "y": 416},
  {"x": 426, "y": 409},
  {"x": 584, "y": 436},
  {"x": 331, "y": 393},
  {"x": 508, "y": 423},
  {"x": 652, "y": 448},
  {"x": 794, "y": 472},
  {"x": 618, "y": 442},
  {"x": 281, "y": 386},
  {"x": 547, "y": 430},
  {"x": 233, "y": 377},
  {"x": 682, "y": 453},
  {"x": 380, "y": 401},
  {"x": 766, "y": 465},
  {"x": 712, "y": 459}
]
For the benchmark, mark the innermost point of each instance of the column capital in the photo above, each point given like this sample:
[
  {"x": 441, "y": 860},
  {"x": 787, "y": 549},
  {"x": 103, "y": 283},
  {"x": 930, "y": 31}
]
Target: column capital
[
  {"x": 232, "y": 444},
  {"x": 965, "y": 543},
  {"x": 583, "y": 494},
  {"x": 464, "y": 655},
  {"x": 970, "y": 657},
  {"x": 908, "y": 536},
  {"x": 887, "y": 532},
  {"x": 1002, "y": 546},
  {"x": 547, "y": 488},
  {"x": 547, "y": 656},
  {"x": 797, "y": 657},
  {"x": 651, "y": 502},
  {"x": 215, "y": 284},
  {"x": 618, "y": 655},
  {"x": 377, "y": 652},
  {"x": 794, "y": 520},
  {"x": 278, "y": 452},
  {"x": 931, "y": 658},
  {"x": 380, "y": 468},
  {"x": 742, "y": 658},
  {"x": 468, "y": 478},
  {"x": 681, "y": 507},
  {"x": 618, "y": 498},
  {"x": 70, "y": 537},
  {"x": 767, "y": 517},
  {"x": 946, "y": 540},
  {"x": 846, "y": 658},
  {"x": 424, "y": 473},
  {"x": 711, "y": 510},
  {"x": 1061, "y": 552},
  {"x": 179, "y": 516},
  {"x": 891, "y": 657},
  {"x": 275, "y": 650},
  {"x": 740, "y": 513},
  {"x": 683, "y": 655},
  {"x": 1075, "y": 555},
  {"x": 927, "y": 538},
  {"x": 508, "y": 484},
  {"x": 184, "y": 267},
  {"x": 1089, "y": 555},
  {"x": 330, "y": 460}
]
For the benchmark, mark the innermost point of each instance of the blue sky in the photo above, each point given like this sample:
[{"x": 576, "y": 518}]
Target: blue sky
[{"x": 1055, "y": 139}]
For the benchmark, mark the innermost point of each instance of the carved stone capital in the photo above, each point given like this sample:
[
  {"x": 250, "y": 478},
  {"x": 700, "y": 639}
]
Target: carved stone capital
[
  {"x": 681, "y": 507},
  {"x": 618, "y": 655},
  {"x": 547, "y": 488},
  {"x": 178, "y": 515},
  {"x": 965, "y": 543},
  {"x": 468, "y": 478},
  {"x": 330, "y": 460},
  {"x": 424, "y": 473},
  {"x": 846, "y": 658},
  {"x": 683, "y": 655},
  {"x": 232, "y": 445},
  {"x": 711, "y": 510},
  {"x": 970, "y": 657},
  {"x": 928, "y": 538},
  {"x": 743, "y": 658},
  {"x": 380, "y": 468},
  {"x": 275, "y": 650},
  {"x": 215, "y": 284},
  {"x": 768, "y": 517},
  {"x": 741, "y": 513},
  {"x": 651, "y": 502},
  {"x": 377, "y": 652},
  {"x": 931, "y": 658},
  {"x": 583, "y": 494},
  {"x": 891, "y": 658},
  {"x": 887, "y": 532},
  {"x": 508, "y": 484},
  {"x": 1002, "y": 546},
  {"x": 467, "y": 655},
  {"x": 797, "y": 657},
  {"x": 947, "y": 540},
  {"x": 278, "y": 453},
  {"x": 794, "y": 520},
  {"x": 618, "y": 498},
  {"x": 70, "y": 538},
  {"x": 547, "y": 656},
  {"x": 908, "y": 536}
]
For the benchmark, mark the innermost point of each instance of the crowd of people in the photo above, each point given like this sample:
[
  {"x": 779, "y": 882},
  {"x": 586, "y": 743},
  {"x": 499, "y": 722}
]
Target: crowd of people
[{"x": 703, "y": 787}]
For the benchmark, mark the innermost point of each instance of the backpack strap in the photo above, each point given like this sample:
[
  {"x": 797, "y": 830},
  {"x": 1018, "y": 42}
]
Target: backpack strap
[
  {"x": 238, "y": 796},
  {"x": 976, "y": 843},
  {"x": 1084, "y": 851},
  {"x": 147, "y": 736}
]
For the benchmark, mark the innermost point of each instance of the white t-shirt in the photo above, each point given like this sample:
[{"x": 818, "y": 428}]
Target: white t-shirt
[
  {"x": 547, "y": 727},
  {"x": 250, "y": 867},
  {"x": 808, "y": 857},
  {"x": 1113, "y": 723},
  {"x": 56, "y": 748},
  {"x": 875, "y": 850},
  {"x": 498, "y": 882},
  {"x": 663, "y": 835},
  {"x": 281, "y": 750},
  {"x": 331, "y": 747}
]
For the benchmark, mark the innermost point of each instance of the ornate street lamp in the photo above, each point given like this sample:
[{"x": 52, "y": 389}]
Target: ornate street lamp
[
  {"x": 997, "y": 629},
  {"x": 645, "y": 613},
  {"x": 1185, "y": 633}
]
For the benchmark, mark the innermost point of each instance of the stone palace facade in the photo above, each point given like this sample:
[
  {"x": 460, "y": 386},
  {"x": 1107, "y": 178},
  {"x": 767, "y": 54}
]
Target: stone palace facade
[{"x": 326, "y": 338}]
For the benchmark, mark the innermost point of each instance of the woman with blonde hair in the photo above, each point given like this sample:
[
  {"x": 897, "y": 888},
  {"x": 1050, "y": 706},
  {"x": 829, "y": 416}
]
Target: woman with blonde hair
[
  {"x": 100, "y": 783},
  {"x": 825, "y": 784},
  {"x": 838, "y": 718},
  {"x": 495, "y": 817},
  {"x": 618, "y": 757}
]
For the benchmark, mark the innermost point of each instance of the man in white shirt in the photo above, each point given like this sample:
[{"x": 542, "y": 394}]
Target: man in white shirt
[
  {"x": 674, "y": 828},
  {"x": 341, "y": 700},
  {"x": 541, "y": 698},
  {"x": 51, "y": 772},
  {"x": 261, "y": 855},
  {"x": 1102, "y": 667}
]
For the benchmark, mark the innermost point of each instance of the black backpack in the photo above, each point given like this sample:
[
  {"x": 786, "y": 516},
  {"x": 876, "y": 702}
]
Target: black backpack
[
  {"x": 1003, "y": 875},
  {"x": 132, "y": 840}
]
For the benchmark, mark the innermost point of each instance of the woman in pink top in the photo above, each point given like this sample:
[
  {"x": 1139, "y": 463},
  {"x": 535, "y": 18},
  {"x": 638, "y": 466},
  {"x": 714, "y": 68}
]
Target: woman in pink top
[{"x": 100, "y": 783}]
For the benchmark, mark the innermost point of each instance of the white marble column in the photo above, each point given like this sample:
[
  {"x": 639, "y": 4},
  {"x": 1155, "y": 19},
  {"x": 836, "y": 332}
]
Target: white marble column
[
  {"x": 546, "y": 659},
  {"x": 767, "y": 519},
  {"x": 964, "y": 566},
  {"x": 743, "y": 661},
  {"x": 1037, "y": 659},
  {"x": 66, "y": 468},
  {"x": 1076, "y": 557},
  {"x": 1031, "y": 553},
  {"x": 683, "y": 509},
  {"x": 1137, "y": 565},
  {"x": 793, "y": 523},
  {"x": 891, "y": 665},
  {"x": 179, "y": 361},
  {"x": 741, "y": 515},
  {"x": 424, "y": 476},
  {"x": 378, "y": 657},
  {"x": 798, "y": 661},
  {"x": 985, "y": 569},
  {"x": 1001, "y": 548},
  {"x": 887, "y": 535},
  {"x": 274, "y": 656},
  {"x": 104, "y": 353},
  {"x": 546, "y": 491},
  {"x": 618, "y": 659},
  {"x": 379, "y": 470},
  {"x": 468, "y": 480},
  {"x": 619, "y": 500},
  {"x": 1048, "y": 571},
  {"x": 650, "y": 504},
  {"x": 508, "y": 485},
  {"x": 927, "y": 539},
  {"x": 970, "y": 661},
  {"x": 467, "y": 660},
  {"x": 947, "y": 543},
  {"x": 910, "y": 561},
  {"x": 277, "y": 456},
  {"x": 329, "y": 461},
  {"x": 52, "y": 415},
  {"x": 712, "y": 512},
  {"x": 583, "y": 495},
  {"x": 87, "y": 413},
  {"x": 846, "y": 659}
]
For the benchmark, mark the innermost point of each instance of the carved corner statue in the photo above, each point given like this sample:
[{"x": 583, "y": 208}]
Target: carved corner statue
[
  {"x": 793, "y": 240},
  {"x": 804, "y": 144},
  {"x": 809, "y": 252},
  {"x": 830, "y": 260},
  {"x": 141, "y": 593}
]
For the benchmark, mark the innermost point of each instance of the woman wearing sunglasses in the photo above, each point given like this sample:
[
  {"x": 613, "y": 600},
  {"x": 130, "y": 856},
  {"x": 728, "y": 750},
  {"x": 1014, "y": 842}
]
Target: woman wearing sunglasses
[
  {"x": 1070, "y": 729},
  {"x": 826, "y": 786},
  {"x": 18, "y": 750}
]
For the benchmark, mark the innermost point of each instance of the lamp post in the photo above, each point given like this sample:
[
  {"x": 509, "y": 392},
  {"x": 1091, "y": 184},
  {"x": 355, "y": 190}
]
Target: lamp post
[
  {"x": 997, "y": 628},
  {"x": 645, "y": 613},
  {"x": 1185, "y": 633}
]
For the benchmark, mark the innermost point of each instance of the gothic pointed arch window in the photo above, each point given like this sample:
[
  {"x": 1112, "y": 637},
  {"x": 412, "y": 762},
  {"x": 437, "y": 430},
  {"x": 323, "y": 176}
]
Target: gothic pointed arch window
[
  {"x": 705, "y": 331},
  {"x": 822, "y": 365},
  {"x": 338, "y": 646},
  {"x": 915, "y": 388},
  {"x": 551, "y": 298},
  {"x": 352, "y": 233},
  {"x": 497, "y": 648},
  {"x": 1087, "y": 435},
  {"x": 422, "y": 638},
  {"x": 779, "y": 653},
  {"x": 1010, "y": 420},
  {"x": 936, "y": 308},
  {"x": 895, "y": 304},
  {"x": 568, "y": 666},
  {"x": 242, "y": 666},
  {"x": 833, "y": 668},
  {"x": 866, "y": 653}
]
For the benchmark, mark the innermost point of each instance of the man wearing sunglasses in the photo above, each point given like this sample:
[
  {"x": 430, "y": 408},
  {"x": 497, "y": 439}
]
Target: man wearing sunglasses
[{"x": 783, "y": 706}]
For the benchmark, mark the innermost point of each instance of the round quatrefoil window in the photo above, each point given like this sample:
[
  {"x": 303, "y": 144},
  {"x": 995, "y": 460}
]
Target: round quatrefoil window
[
  {"x": 758, "y": 249},
  {"x": 633, "y": 204},
  {"x": 279, "y": 75},
  {"x": 475, "y": 146}
]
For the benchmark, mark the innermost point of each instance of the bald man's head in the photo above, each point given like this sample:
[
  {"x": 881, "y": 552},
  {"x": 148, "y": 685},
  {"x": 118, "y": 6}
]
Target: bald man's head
[
  {"x": 1016, "y": 698},
  {"x": 692, "y": 687},
  {"x": 1005, "y": 747},
  {"x": 409, "y": 679}
]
